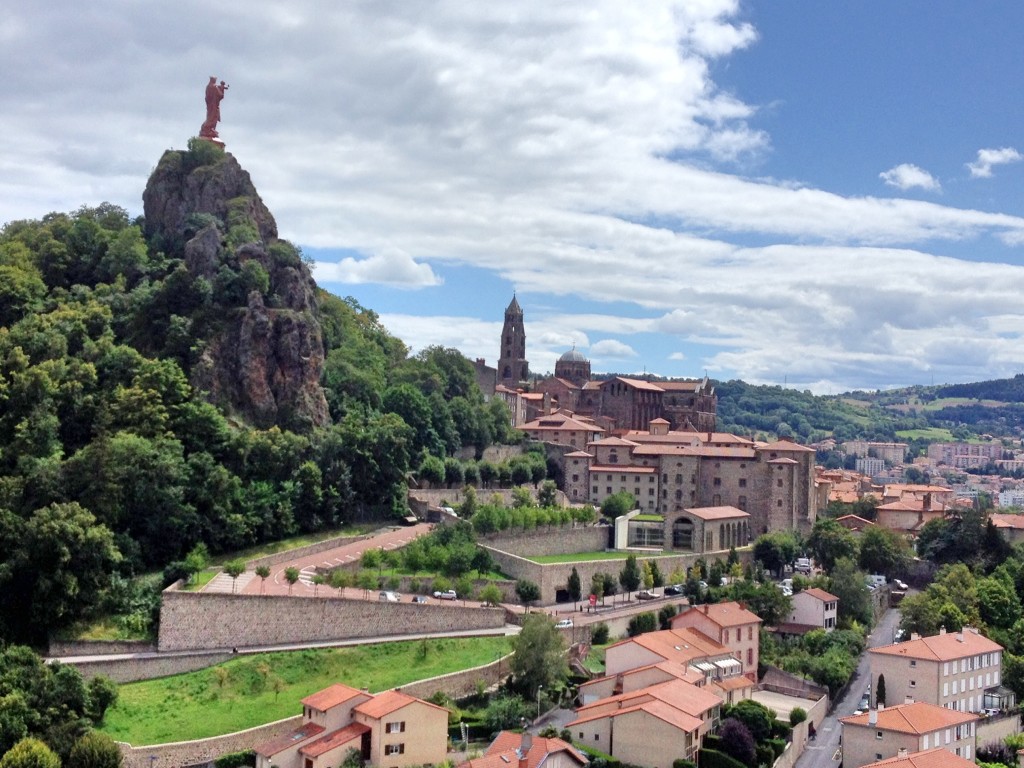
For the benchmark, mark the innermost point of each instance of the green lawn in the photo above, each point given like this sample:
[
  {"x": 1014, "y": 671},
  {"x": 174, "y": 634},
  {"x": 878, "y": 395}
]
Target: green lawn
[
  {"x": 932, "y": 433},
  {"x": 253, "y": 690},
  {"x": 548, "y": 559}
]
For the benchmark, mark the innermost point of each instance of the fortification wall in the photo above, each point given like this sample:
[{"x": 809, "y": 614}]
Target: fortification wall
[
  {"x": 455, "y": 496},
  {"x": 201, "y": 621},
  {"x": 202, "y": 751},
  {"x": 551, "y": 540},
  {"x": 126, "y": 669},
  {"x": 59, "y": 648}
]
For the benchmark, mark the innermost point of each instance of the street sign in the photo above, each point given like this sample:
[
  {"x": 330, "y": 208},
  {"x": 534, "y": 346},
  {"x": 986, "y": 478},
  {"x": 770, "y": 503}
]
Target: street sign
[{"x": 593, "y": 600}]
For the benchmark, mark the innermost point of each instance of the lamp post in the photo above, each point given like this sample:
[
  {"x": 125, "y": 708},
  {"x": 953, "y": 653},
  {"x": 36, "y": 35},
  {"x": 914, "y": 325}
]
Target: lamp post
[{"x": 539, "y": 689}]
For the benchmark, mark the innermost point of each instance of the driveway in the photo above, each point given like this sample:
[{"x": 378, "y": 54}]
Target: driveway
[{"x": 824, "y": 751}]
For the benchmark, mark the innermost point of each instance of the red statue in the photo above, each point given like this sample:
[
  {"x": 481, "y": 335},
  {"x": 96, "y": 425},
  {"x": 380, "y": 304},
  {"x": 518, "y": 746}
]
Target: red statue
[{"x": 214, "y": 94}]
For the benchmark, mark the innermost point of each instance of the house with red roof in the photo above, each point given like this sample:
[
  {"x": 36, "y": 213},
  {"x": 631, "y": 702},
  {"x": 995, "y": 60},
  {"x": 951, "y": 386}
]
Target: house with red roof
[
  {"x": 730, "y": 624},
  {"x": 813, "y": 609},
  {"x": 880, "y": 734},
  {"x": 524, "y": 750},
  {"x": 387, "y": 729}
]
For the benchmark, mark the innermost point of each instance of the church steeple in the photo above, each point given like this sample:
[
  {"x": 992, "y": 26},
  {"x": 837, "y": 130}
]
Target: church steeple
[{"x": 512, "y": 365}]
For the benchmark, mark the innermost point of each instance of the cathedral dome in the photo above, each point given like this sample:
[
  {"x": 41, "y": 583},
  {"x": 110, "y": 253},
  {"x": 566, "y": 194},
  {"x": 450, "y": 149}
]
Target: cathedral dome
[{"x": 573, "y": 356}]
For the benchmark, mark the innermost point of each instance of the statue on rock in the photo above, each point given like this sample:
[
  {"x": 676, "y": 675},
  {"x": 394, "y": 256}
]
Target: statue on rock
[{"x": 214, "y": 95}]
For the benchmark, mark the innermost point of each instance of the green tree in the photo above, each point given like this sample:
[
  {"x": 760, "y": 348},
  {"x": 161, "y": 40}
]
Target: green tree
[
  {"x": 538, "y": 658},
  {"x": 618, "y": 504},
  {"x": 883, "y": 551},
  {"x": 847, "y": 583},
  {"x": 491, "y": 595},
  {"x": 94, "y": 750},
  {"x": 630, "y": 575},
  {"x": 775, "y": 550},
  {"x": 234, "y": 569},
  {"x": 263, "y": 571},
  {"x": 505, "y": 712},
  {"x": 527, "y": 592},
  {"x": 829, "y": 541},
  {"x": 641, "y": 623},
  {"x": 30, "y": 753},
  {"x": 548, "y": 494},
  {"x": 291, "y": 575},
  {"x": 998, "y": 602},
  {"x": 575, "y": 586}
]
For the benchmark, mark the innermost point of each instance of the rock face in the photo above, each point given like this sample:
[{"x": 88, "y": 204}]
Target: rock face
[{"x": 262, "y": 349}]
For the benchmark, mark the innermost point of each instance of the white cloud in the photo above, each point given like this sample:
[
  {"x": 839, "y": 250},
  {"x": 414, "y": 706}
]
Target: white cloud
[
  {"x": 612, "y": 348},
  {"x": 987, "y": 158},
  {"x": 390, "y": 267},
  {"x": 908, "y": 176},
  {"x": 677, "y": 356}
]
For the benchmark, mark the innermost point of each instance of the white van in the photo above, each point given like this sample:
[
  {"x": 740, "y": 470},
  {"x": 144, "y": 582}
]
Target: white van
[
  {"x": 876, "y": 580},
  {"x": 388, "y": 597}
]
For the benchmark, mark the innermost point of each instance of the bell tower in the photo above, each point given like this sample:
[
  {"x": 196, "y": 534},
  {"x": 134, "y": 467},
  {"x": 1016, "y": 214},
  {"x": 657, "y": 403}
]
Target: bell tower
[{"x": 512, "y": 365}]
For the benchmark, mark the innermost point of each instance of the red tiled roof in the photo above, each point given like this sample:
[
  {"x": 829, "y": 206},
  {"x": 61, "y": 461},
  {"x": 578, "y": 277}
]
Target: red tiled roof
[
  {"x": 281, "y": 743},
  {"x": 334, "y": 739},
  {"x": 715, "y": 513},
  {"x": 930, "y": 758},
  {"x": 332, "y": 696},
  {"x": 945, "y": 647},
  {"x": 918, "y": 718},
  {"x": 502, "y": 752},
  {"x": 820, "y": 594},
  {"x": 390, "y": 701},
  {"x": 723, "y": 614},
  {"x": 1006, "y": 520},
  {"x": 623, "y": 468}
]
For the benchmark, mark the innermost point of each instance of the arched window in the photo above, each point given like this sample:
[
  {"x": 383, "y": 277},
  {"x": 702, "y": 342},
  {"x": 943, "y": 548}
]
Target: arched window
[{"x": 682, "y": 534}]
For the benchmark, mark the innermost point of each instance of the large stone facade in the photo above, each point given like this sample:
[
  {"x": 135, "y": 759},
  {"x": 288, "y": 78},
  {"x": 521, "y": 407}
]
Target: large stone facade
[{"x": 200, "y": 621}]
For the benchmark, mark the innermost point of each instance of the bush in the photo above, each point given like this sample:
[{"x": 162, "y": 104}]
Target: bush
[
  {"x": 778, "y": 746},
  {"x": 641, "y": 623},
  {"x": 680, "y": 763},
  {"x": 236, "y": 759},
  {"x": 797, "y": 715},
  {"x": 736, "y": 740},
  {"x": 599, "y": 633},
  {"x": 710, "y": 758},
  {"x": 763, "y": 755},
  {"x": 505, "y": 712}
]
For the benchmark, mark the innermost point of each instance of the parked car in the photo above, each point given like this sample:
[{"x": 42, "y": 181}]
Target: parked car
[
  {"x": 802, "y": 565},
  {"x": 900, "y": 585},
  {"x": 647, "y": 594},
  {"x": 865, "y": 702},
  {"x": 674, "y": 589},
  {"x": 388, "y": 597},
  {"x": 418, "y": 599},
  {"x": 563, "y": 624},
  {"x": 448, "y": 594}
]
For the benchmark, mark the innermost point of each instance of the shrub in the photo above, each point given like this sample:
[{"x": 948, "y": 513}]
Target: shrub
[
  {"x": 236, "y": 759},
  {"x": 778, "y": 746},
  {"x": 681, "y": 763},
  {"x": 505, "y": 712},
  {"x": 710, "y": 758},
  {"x": 797, "y": 715},
  {"x": 599, "y": 633},
  {"x": 763, "y": 755},
  {"x": 736, "y": 740},
  {"x": 641, "y": 623}
]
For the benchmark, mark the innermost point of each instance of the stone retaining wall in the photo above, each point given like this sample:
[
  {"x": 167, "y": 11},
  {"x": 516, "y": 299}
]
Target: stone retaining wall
[
  {"x": 208, "y": 621},
  {"x": 551, "y": 540},
  {"x": 98, "y": 647},
  {"x": 131, "y": 669},
  {"x": 181, "y": 753},
  {"x": 992, "y": 730},
  {"x": 455, "y": 496}
]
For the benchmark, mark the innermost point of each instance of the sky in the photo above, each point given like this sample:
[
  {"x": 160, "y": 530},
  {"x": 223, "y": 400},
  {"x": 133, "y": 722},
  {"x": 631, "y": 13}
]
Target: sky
[{"x": 819, "y": 195}]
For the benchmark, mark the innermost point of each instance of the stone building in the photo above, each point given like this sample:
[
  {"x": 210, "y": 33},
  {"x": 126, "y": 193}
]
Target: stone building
[
  {"x": 513, "y": 369},
  {"x": 670, "y": 472}
]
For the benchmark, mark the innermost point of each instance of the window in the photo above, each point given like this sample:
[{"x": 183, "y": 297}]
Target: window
[
  {"x": 608, "y": 490},
  {"x": 716, "y": 482},
  {"x": 743, "y": 482},
  {"x": 750, "y": 633},
  {"x": 779, "y": 482},
  {"x": 394, "y": 749},
  {"x": 741, "y": 502},
  {"x": 595, "y": 490},
  {"x": 575, "y": 478},
  {"x": 913, "y": 663},
  {"x": 878, "y": 735},
  {"x": 750, "y": 656},
  {"x": 913, "y": 683},
  {"x": 597, "y": 737},
  {"x": 397, "y": 726}
]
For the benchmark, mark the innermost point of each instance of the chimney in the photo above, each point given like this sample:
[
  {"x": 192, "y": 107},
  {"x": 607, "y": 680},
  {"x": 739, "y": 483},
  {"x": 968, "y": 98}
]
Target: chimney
[
  {"x": 872, "y": 717},
  {"x": 908, "y": 699},
  {"x": 901, "y": 753},
  {"x": 915, "y": 636},
  {"x": 960, "y": 636},
  {"x": 523, "y": 753},
  {"x": 942, "y": 630}
]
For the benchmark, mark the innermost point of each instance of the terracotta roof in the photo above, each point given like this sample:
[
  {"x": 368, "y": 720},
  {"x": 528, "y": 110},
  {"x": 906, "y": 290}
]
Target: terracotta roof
[
  {"x": 820, "y": 594},
  {"x": 579, "y": 454},
  {"x": 1005, "y": 520},
  {"x": 560, "y": 422},
  {"x": 680, "y": 386},
  {"x": 502, "y": 753},
  {"x": 918, "y": 718},
  {"x": 848, "y": 521},
  {"x": 677, "y": 693},
  {"x": 944, "y": 647},
  {"x": 334, "y": 739},
  {"x": 930, "y": 758},
  {"x": 332, "y": 696},
  {"x": 786, "y": 460},
  {"x": 734, "y": 683},
  {"x": 723, "y": 614},
  {"x": 281, "y": 743},
  {"x": 678, "y": 645},
  {"x": 612, "y": 441},
  {"x": 659, "y": 709},
  {"x": 389, "y": 701},
  {"x": 785, "y": 445},
  {"x": 715, "y": 513},
  {"x": 636, "y": 384}
]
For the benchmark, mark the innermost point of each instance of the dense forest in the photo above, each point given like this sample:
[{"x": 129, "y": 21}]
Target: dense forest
[{"x": 112, "y": 462}]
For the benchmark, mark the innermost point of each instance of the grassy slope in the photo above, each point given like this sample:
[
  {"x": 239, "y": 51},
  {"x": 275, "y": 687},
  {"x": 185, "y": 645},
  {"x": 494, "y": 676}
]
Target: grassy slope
[{"x": 244, "y": 692}]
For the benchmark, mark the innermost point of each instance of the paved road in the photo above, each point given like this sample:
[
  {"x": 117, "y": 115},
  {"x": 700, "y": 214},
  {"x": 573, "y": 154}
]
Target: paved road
[{"x": 824, "y": 751}]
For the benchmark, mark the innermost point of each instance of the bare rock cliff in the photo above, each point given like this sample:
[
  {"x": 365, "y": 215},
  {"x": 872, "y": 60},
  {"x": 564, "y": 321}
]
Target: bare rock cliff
[{"x": 262, "y": 352}]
